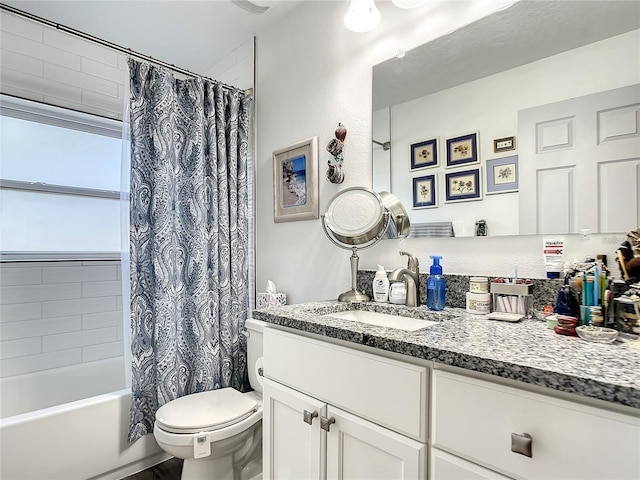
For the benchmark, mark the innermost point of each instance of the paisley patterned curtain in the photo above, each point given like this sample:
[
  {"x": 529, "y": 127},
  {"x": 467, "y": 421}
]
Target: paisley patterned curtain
[{"x": 188, "y": 239}]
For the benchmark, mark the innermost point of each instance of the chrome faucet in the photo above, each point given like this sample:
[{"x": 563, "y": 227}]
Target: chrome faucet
[{"x": 412, "y": 276}]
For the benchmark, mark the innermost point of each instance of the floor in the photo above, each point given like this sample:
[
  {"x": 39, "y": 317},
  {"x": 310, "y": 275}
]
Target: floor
[{"x": 168, "y": 470}]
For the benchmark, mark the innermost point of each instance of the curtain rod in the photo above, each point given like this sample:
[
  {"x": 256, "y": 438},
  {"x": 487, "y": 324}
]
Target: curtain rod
[{"x": 114, "y": 46}]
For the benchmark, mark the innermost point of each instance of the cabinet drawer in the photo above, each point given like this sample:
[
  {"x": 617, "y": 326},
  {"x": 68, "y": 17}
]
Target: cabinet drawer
[
  {"x": 444, "y": 466},
  {"x": 386, "y": 391},
  {"x": 475, "y": 419}
]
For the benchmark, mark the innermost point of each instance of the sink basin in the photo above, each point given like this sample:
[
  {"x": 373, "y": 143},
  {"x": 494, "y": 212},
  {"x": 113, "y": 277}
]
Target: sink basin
[{"x": 383, "y": 320}]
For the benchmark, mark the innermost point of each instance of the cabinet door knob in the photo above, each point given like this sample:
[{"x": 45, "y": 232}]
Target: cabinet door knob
[
  {"x": 325, "y": 423},
  {"x": 309, "y": 416},
  {"x": 521, "y": 444}
]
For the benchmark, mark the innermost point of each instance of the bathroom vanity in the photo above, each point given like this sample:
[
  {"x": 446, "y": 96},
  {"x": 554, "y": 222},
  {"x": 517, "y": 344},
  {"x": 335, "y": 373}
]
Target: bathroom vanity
[{"x": 462, "y": 397}]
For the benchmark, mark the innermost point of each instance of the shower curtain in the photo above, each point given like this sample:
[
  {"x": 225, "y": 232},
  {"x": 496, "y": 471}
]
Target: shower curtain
[{"x": 188, "y": 239}]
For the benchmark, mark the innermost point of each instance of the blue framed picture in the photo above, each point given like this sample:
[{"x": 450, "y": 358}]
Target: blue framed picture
[
  {"x": 424, "y": 154},
  {"x": 462, "y": 151},
  {"x": 463, "y": 186},
  {"x": 424, "y": 192},
  {"x": 502, "y": 175}
]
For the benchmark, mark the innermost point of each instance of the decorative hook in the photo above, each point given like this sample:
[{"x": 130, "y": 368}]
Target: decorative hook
[{"x": 335, "y": 147}]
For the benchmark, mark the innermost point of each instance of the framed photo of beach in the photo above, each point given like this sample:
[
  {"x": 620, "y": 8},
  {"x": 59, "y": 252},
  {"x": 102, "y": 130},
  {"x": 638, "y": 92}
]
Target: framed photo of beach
[{"x": 295, "y": 178}]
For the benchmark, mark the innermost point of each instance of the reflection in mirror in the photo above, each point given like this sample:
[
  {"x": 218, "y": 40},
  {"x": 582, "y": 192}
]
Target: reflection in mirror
[{"x": 480, "y": 80}]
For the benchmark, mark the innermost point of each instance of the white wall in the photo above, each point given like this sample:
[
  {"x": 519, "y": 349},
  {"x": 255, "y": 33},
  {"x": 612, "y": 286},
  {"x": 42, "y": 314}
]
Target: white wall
[
  {"x": 312, "y": 74},
  {"x": 491, "y": 108}
]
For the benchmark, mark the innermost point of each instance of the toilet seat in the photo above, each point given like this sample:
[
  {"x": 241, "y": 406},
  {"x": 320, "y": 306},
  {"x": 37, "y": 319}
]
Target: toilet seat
[{"x": 212, "y": 410}]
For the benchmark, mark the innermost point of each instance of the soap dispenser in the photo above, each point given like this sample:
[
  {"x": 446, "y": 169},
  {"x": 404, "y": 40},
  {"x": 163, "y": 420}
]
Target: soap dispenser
[
  {"x": 380, "y": 285},
  {"x": 436, "y": 285}
]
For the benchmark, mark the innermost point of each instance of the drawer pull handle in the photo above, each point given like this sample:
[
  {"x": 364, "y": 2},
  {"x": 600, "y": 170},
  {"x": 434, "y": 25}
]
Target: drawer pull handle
[
  {"x": 309, "y": 416},
  {"x": 521, "y": 444},
  {"x": 325, "y": 423}
]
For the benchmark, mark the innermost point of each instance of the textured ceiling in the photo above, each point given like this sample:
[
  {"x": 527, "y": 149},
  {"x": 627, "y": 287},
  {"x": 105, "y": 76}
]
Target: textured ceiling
[{"x": 523, "y": 33}]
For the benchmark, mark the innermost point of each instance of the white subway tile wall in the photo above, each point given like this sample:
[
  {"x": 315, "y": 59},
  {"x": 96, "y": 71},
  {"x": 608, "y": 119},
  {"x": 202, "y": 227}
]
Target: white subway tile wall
[
  {"x": 56, "y": 314},
  {"x": 44, "y": 64},
  {"x": 236, "y": 68}
]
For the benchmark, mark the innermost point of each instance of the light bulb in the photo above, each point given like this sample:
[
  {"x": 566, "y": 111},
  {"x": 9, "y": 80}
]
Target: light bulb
[{"x": 362, "y": 16}]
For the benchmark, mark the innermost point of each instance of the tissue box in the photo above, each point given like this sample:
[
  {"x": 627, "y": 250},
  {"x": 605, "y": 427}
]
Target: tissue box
[{"x": 270, "y": 300}]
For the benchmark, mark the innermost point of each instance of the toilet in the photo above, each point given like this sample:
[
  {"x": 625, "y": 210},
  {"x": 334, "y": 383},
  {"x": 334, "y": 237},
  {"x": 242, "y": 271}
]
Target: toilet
[{"x": 218, "y": 433}]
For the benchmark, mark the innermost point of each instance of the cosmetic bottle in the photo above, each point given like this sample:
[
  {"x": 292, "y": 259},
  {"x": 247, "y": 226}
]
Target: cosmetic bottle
[{"x": 380, "y": 285}]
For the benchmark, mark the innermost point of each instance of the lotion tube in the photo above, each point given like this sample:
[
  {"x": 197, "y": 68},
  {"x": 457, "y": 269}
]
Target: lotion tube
[{"x": 553, "y": 250}]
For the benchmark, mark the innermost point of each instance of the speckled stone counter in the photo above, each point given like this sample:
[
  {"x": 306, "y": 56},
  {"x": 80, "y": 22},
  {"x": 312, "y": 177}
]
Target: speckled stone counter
[{"x": 525, "y": 351}]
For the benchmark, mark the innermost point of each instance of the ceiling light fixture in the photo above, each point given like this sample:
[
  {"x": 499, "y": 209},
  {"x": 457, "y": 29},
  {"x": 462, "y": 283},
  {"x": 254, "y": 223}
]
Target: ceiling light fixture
[
  {"x": 250, "y": 6},
  {"x": 362, "y": 16},
  {"x": 407, "y": 3}
]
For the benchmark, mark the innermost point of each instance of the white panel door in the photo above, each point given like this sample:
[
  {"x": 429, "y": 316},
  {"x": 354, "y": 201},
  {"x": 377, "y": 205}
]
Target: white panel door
[
  {"x": 360, "y": 450},
  {"x": 293, "y": 447},
  {"x": 580, "y": 164}
]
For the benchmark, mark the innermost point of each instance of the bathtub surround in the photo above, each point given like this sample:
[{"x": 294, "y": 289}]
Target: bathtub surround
[
  {"x": 188, "y": 239},
  {"x": 61, "y": 333}
]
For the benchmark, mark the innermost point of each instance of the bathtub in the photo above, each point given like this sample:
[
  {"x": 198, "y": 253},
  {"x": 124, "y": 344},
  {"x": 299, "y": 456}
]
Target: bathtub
[{"x": 85, "y": 439}]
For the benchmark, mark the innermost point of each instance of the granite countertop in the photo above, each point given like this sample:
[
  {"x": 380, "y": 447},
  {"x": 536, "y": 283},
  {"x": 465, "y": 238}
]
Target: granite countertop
[{"x": 525, "y": 351}]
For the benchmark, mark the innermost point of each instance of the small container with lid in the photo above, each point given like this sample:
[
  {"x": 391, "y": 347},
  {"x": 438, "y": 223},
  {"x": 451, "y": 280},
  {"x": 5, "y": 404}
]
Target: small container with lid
[
  {"x": 478, "y": 303},
  {"x": 398, "y": 293},
  {"x": 596, "y": 316},
  {"x": 479, "y": 285}
]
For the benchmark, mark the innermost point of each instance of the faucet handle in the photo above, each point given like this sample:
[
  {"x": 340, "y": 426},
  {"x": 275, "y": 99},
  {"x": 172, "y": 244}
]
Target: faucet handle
[{"x": 412, "y": 262}]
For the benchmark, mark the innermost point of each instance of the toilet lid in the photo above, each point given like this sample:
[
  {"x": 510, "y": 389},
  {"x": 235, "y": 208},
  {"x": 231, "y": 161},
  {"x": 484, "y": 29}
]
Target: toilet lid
[{"x": 211, "y": 410}]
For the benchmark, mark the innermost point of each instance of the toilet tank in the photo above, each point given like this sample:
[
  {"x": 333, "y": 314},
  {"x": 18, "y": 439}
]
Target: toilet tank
[{"x": 254, "y": 330}]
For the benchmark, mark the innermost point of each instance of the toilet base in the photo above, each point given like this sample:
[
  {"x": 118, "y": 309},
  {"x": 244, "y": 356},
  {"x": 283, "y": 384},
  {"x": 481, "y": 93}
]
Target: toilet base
[{"x": 220, "y": 468}]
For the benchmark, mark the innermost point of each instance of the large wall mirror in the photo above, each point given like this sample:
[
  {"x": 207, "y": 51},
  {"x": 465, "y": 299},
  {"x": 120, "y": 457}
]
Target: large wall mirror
[{"x": 485, "y": 123}]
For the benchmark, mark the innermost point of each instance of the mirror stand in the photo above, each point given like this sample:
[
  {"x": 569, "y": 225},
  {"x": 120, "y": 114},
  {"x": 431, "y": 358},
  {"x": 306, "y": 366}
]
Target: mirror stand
[
  {"x": 359, "y": 218},
  {"x": 354, "y": 295}
]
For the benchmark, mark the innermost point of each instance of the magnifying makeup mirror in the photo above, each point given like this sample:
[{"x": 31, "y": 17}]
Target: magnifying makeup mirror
[{"x": 358, "y": 217}]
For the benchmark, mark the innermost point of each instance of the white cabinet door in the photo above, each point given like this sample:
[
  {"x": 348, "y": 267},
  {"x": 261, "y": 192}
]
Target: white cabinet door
[
  {"x": 360, "y": 450},
  {"x": 293, "y": 447},
  {"x": 444, "y": 466}
]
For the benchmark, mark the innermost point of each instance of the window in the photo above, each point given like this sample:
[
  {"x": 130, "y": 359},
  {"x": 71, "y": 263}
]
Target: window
[
  {"x": 62, "y": 334},
  {"x": 59, "y": 179}
]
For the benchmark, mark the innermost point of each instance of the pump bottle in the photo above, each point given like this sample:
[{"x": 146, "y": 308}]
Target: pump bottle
[
  {"x": 380, "y": 285},
  {"x": 436, "y": 285}
]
